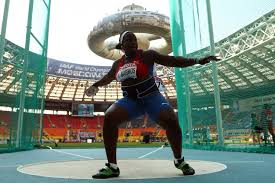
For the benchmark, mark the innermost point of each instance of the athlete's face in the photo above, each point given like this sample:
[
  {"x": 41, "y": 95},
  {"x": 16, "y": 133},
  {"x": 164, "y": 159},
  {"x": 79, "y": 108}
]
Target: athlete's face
[{"x": 129, "y": 43}]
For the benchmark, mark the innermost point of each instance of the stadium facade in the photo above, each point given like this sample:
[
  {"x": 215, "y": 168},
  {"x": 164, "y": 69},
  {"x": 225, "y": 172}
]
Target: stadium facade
[{"x": 245, "y": 76}]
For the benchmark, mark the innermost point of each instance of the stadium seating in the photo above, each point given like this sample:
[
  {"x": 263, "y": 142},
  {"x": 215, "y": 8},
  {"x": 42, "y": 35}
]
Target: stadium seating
[{"x": 67, "y": 128}]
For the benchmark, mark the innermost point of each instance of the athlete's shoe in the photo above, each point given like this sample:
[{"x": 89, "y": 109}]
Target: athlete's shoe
[
  {"x": 107, "y": 172},
  {"x": 184, "y": 167}
]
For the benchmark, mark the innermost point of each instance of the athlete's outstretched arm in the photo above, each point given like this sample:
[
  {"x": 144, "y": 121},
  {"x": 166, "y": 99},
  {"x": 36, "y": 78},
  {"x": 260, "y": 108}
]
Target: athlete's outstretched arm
[
  {"x": 108, "y": 78},
  {"x": 175, "y": 61}
]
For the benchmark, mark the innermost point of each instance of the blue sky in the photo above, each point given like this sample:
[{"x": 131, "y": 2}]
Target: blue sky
[{"x": 72, "y": 20}]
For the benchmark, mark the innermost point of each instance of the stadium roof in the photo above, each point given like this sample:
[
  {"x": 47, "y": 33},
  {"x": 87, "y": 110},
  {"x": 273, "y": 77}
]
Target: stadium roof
[{"x": 246, "y": 70}]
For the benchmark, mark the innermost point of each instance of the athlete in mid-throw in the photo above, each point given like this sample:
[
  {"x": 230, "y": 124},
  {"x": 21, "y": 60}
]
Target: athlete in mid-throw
[{"x": 140, "y": 96}]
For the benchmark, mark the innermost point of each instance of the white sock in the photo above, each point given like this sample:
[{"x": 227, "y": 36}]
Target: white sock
[
  {"x": 113, "y": 165},
  {"x": 177, "y": 161}
]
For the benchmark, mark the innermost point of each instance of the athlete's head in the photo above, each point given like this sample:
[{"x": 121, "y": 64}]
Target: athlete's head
[{"x": 127, "y": 42}]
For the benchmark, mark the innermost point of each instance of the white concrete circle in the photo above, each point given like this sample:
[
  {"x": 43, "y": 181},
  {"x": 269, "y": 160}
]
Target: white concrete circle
[{"x": 129, "y": 169}]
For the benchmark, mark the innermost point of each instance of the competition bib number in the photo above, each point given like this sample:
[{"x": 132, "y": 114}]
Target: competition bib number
[{"x": 127, "y": 71}]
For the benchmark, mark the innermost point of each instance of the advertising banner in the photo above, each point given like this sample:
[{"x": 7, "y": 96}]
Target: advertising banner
[{"x": 79, "y": 71}]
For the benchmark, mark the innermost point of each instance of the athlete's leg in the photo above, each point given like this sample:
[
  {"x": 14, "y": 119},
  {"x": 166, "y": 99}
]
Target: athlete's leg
[
  {"x": 259, "y": 138},
  {"x": 121, "y": 111},
  {"x": 253, "y": 136},
  {"x": 168, "y": 120},
  {"x": 160, "y": 111},
  {"x": 270, "y": 129},
  {"x": 114, "y": 116}
]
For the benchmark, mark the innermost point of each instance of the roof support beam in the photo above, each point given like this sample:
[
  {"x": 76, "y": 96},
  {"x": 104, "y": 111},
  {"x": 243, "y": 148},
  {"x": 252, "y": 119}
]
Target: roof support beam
[
  {"x": 85, "y": 90},
  {"x": 238, "y": 73},
  {"x": 13, "y": 83},
  {"x": 65, "y": 86},
  {"x": 250, "y": 68},
  {"x": 77, "y": 85},
  {"x": 52, "y": 87}
]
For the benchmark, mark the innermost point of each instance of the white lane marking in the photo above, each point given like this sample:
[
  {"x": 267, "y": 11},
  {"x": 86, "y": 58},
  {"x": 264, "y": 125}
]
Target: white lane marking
[
  {"x": 85, "y": 157},
  {"x": 242, "y": 161},
  {"x": 224, "y": 166},
  {"x": 151, "y": 152},
  {"x": 9, "y": 166}
]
